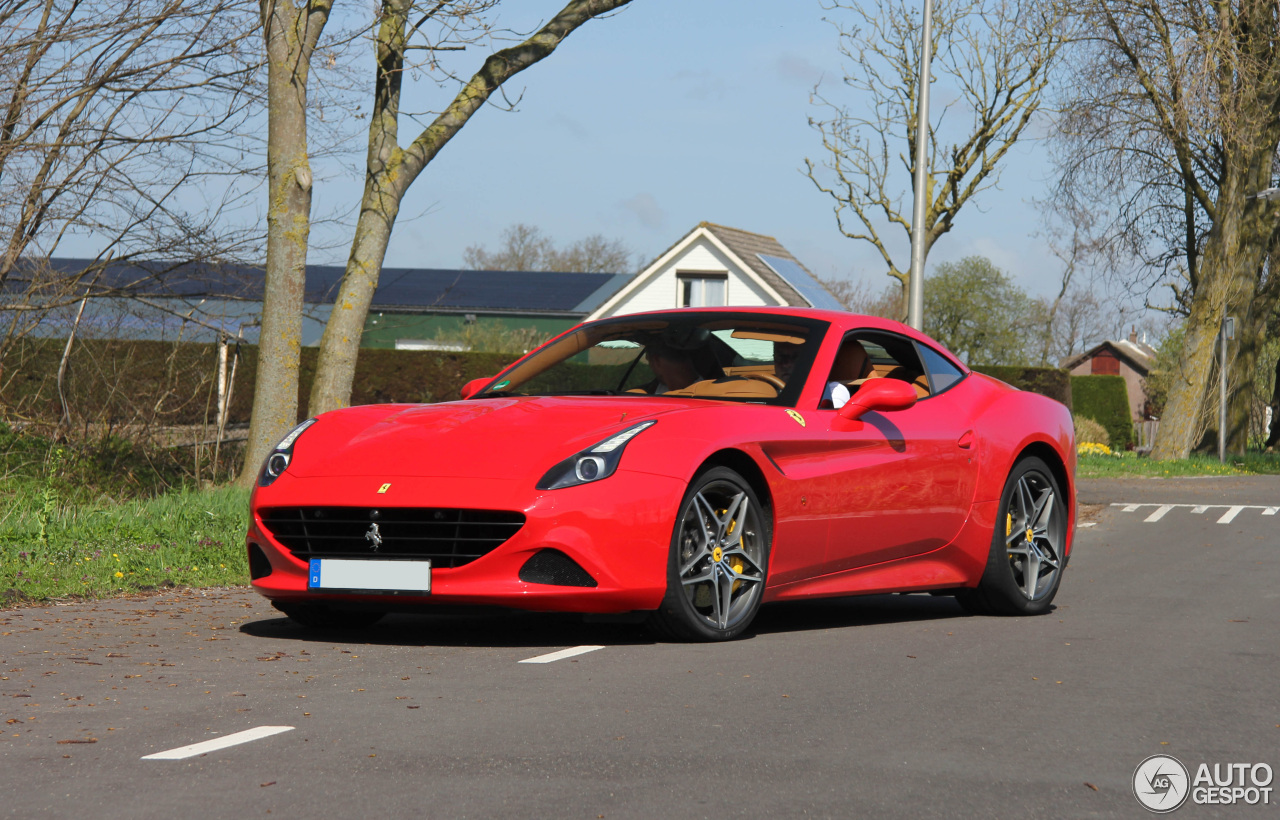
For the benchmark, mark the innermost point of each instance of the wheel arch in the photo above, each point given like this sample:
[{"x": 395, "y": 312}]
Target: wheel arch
[
  {"x": 1050, "y": 456},
  {"x": 745, "y": 466}
]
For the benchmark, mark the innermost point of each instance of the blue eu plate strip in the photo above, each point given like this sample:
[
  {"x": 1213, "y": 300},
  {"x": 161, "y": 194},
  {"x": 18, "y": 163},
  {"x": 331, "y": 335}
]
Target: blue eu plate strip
[{"x": 315, "y": 574}]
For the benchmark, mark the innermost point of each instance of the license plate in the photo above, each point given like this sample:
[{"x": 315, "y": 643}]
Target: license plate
[{"x": 372, "y": 576}]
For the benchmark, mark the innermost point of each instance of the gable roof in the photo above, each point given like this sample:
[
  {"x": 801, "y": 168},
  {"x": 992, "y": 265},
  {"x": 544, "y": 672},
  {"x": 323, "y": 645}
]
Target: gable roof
[
  {"x": 750, "y": 251},
  {"x": 1141, "y": 357},
  {"x": 403, "y": 289}
]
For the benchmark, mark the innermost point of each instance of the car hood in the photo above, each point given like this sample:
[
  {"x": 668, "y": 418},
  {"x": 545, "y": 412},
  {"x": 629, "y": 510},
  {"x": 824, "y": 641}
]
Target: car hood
[{"x": 486, "y": 438}]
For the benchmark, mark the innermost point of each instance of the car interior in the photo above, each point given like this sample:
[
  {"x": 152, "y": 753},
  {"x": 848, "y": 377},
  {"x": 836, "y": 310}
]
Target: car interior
[{"x": 866, "y": 355}]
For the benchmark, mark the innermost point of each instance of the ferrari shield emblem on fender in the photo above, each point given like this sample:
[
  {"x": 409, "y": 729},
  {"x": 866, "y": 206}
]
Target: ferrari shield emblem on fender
[
  {"x": 384, "y": 488},
  {"x": 799, "y": 419}
]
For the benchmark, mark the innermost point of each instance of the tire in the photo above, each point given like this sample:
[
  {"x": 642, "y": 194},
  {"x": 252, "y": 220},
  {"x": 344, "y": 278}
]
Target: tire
[
  {"x": 1026, "y": 561},
  {"x": 714, "y": 583},
  {"x": 320, "y": 616}
]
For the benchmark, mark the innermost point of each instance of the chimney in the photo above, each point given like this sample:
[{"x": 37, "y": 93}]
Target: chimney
[{"x": 1133, "y": 334}]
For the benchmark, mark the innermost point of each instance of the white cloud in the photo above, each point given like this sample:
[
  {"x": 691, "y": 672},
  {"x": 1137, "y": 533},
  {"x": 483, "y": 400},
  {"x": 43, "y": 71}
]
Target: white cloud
[{"x": 646, "y": 209}]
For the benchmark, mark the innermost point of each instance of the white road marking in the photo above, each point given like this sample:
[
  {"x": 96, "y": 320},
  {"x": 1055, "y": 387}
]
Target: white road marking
[
  {"x": 183, "y": 752},
  {"x": 562, "y": 654},
  {"x": 1088, "y": 524},
  {"x": 1229, "y": 515},
  {"x": 1231, "y": 510}
]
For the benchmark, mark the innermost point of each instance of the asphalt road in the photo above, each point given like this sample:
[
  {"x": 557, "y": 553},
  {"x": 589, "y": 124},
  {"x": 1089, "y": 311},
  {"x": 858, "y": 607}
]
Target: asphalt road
[{"x": 1164, "y": 640}]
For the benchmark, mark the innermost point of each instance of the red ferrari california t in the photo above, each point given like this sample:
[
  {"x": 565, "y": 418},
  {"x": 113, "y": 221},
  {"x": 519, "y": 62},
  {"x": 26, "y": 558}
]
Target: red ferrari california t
[{"x": 689, "y": 464}]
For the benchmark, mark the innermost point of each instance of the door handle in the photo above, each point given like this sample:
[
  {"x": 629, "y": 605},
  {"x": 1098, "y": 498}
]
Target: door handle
[{"x": 966, "y": 441}]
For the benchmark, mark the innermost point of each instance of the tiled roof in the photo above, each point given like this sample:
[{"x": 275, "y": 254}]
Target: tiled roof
[
  {"x": 746, "y": 245},
  {"x": 1140, "y": 356}
]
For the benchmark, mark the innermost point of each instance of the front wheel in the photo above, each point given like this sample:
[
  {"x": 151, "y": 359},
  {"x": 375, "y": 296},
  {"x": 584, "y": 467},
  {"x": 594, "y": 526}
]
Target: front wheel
[
  {"x": 1028, "y": 547},
  {"x": 719, "y": 560}
]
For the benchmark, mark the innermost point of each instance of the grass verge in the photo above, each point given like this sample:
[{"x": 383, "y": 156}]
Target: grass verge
[
  {"x": 109, "y": 517},
  {"x": 1131, "y": 465}
]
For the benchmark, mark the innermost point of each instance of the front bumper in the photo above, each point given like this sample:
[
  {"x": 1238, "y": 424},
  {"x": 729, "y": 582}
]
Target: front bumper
[{"x": 617, "y": 529}]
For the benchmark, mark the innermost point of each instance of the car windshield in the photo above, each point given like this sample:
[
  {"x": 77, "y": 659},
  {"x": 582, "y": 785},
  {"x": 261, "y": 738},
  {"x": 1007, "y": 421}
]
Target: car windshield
[{"x": 722, "y": 356}]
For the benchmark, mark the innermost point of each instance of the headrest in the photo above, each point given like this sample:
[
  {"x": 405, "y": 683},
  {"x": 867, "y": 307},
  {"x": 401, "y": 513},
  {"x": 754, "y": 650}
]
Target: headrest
[{"x": 852, "y": 362}]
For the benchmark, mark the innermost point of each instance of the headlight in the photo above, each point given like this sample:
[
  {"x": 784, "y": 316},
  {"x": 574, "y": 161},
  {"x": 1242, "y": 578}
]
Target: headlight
[
  {"x": 592, "y": 464},
  {"x": 281, "y": 455}
]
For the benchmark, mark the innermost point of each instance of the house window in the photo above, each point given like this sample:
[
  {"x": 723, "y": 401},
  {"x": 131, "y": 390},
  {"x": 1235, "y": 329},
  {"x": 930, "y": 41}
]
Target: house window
[
  {"x": 702, "y": 289},
  {"x": 1106, "y": 364}
]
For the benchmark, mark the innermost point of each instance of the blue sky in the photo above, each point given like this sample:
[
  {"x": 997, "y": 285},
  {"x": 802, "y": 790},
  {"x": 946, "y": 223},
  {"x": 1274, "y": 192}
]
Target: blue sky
[{"x": 670, "y": 113}]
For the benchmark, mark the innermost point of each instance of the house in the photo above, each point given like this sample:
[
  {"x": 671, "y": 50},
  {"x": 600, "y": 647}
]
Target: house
[
  {"x": 715, "y": 265},
  {"x": 411, "y": 308},
  {"x": 1130, "y": 359}
]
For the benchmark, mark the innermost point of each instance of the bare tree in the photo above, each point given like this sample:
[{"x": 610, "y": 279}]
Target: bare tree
[
  {"x": 291, "y": 29},
  {"x": 1170, "y": 119},
  {"x": 405, "y": 29},
  {"x": 994, "y": 56},
  {"x": 111, "y": 116},
  {"x": 526, "y": 247}
]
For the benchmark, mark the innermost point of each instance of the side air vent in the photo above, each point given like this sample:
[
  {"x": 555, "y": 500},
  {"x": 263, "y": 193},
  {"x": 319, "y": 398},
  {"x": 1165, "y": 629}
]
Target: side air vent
[
  {"x": 259, "y": 564},
  {"x": 554, "y": 568}
]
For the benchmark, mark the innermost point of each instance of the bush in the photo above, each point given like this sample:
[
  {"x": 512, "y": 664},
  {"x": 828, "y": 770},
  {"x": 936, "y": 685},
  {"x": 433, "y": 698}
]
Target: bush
[
  {"x": 1088, "y": 430},
  {"x": 1047, "y": 381},
  {"x": 1106, "y": 399}
]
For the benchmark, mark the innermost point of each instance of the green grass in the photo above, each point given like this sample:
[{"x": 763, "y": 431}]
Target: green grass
[
  {"x": 109, "y": 517},
  {"x": 184, "y": 538},
  {"x": 1122, "y": 465}
]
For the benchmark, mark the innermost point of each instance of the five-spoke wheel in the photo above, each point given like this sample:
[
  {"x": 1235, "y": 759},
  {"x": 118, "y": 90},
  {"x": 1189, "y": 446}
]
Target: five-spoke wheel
[
  {"x": 719, "y": 560},
  {"x": 1027, "y": 549}
]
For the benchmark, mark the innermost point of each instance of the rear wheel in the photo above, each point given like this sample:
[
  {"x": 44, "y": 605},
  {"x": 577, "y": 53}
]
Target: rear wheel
[
  {"x": 321, "y": 616},
  {"x": 718, "y": 562},
  {"x": 1024, "y": 567}
]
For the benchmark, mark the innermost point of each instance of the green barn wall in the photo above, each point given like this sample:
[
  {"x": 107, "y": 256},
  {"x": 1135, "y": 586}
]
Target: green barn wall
[{"x": 381, "y": 330}]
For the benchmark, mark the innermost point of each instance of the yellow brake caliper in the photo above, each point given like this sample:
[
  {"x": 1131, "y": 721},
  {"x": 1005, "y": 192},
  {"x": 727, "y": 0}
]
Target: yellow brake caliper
[
  {"x": 738, "y": 564},
  {"x": 1008, "y": 527}
]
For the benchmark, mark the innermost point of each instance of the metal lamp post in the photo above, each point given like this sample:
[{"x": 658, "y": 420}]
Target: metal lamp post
[{"x": 915, "y": 285}]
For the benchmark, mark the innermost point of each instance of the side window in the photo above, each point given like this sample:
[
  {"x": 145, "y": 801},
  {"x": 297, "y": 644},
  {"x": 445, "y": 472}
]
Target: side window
[
  {"x": 942, "y": 373},
  {"x": 872, "y": 354}
]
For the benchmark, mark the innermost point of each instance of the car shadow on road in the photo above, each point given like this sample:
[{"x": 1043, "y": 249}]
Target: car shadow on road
[
  {"x": 860, "y": 610},
  {"x": 471, "y": 627},
  {"x": 517, "y": 629}
]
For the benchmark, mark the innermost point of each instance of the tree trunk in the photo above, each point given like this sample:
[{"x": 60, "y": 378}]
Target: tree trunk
[
  {"x": 391, "y": 170},
  {"x": 290, "y": 32}
]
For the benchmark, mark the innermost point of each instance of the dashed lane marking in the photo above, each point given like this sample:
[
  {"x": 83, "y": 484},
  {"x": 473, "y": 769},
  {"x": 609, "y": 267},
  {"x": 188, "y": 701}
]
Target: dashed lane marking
[
  {"x": 1230, "y": 511},
  {"x": 1229, "y": 515},
  {"x": 183, "y": 752},
  {"x": 562, "y": 654}
]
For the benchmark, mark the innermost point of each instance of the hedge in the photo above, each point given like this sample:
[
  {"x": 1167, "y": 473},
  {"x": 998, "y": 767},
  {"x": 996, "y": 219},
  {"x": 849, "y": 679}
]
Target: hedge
[
  {"x": 1047, "y": 381},
  {"x": 148, "y": 382},
  {"x": 1105, "y": 399}
]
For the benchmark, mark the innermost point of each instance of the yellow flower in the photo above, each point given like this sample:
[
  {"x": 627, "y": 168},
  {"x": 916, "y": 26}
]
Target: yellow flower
[
  {"x": 1091, "y": 448},
  {"x": 119, "y": 574}
]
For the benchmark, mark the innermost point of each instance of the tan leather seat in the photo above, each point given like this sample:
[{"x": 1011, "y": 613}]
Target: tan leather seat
[
  {"x": 852, "y": 363},
  {"x": 917, "y": 380}
]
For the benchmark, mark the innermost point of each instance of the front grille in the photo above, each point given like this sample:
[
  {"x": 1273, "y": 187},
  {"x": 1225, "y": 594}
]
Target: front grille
[
  {"x": 555, "y": 568},
  {"x": 449, "y": 537}
]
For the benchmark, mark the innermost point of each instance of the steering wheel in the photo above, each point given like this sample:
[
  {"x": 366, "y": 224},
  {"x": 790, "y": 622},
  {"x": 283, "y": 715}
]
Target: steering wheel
[{"x": 768, "y": 378}]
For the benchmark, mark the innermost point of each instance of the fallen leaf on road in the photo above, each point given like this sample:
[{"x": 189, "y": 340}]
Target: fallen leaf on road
[
  {"x": 1090, "y": 785},
  {"x": 80, "y": 740}
]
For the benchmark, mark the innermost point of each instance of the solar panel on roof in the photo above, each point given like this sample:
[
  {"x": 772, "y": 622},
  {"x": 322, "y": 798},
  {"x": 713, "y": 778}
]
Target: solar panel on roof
[{"x": 800, "y": 279}]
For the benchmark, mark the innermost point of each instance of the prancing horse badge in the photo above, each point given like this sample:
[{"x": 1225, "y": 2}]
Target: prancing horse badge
[{"x": 799, "y": 419}]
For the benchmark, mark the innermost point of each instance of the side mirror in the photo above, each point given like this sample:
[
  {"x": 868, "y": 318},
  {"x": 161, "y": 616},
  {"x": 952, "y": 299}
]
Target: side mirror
[
  {"x": 880, "y": 395},
  {"x": 472, "y": 387}
]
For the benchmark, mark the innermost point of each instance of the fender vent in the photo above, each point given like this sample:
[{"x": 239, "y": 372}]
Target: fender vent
[{"x": 554, "y": 568}]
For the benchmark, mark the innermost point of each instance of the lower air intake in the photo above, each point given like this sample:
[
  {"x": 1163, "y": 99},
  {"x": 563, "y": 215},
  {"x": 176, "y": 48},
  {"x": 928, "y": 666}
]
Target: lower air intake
[{"x": 554, "y": 568}]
